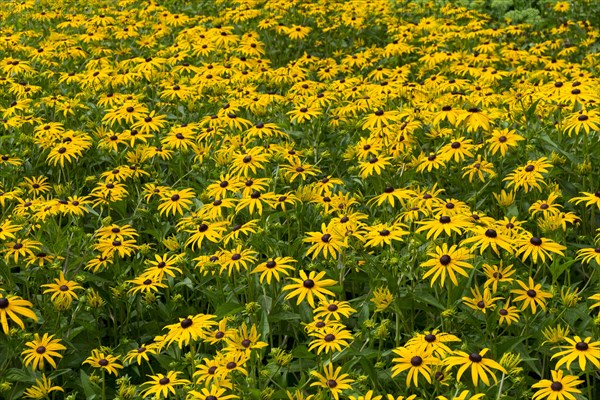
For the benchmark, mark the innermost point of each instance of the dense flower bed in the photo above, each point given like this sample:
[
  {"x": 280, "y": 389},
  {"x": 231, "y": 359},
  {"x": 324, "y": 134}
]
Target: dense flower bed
[{"x": 383, "y": 200}]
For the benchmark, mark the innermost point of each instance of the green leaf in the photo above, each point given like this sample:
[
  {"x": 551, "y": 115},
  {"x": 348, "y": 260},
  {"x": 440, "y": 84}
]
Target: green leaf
[
  {"x": 227, "y": 309},
  {"x": 557, "y": 268},
  {"x": 302, "y": 352},
  {"x": 88, "y": 389}
]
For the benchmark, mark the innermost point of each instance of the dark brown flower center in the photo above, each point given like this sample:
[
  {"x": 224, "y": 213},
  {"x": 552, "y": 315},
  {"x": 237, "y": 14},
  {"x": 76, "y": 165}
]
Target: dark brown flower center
[
  {"x": 231, "y": 365},
  {"x": 246, "y": 343},
  {"x": 445, "y": 259},
  {"x": 535, "y": 241},
  {"x": 63, "y": 288},
  {"x": 309, "y": 284},
  {"x": 503, "y": 312},
  {"x": 103, "y": 362},
  {"x": 416, "y": 361},
  {"x": 430, "y": 338},
  {"x": 444, "y": 219},
  {"x": 186, "y": 323},
  {"x": 164, "y": 381},
  {"x": 329, "y": 337},
  {"x": 332, "y": 307},
  {"x": 475, "y": 357},
  {"x": 331, "y": 383},
  {"x": 556, "y": 386},
  {"x": 582, "y": 346},
  {"x": 531, "y": 293},
  {"x": 40, "y": 350},
  {"x": 492, "y": 234}
]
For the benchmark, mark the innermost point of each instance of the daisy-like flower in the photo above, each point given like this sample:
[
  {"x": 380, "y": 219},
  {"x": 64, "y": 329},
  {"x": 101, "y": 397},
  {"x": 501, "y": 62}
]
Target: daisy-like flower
[
  {"x": 102, "y": 360},
  {"x": 13, "y": 306},
  {"x": 447, "y": 261},
  {"x": 580, "y": 350},
  {"x": 480, "y": 302},
  {"x": 20, "y": 248},
  {"x": 497, "y": 274},
  {"x": 161, "y": 385},
  {"x": 488, "y": 237},
  {"x": 309, "y": 286},
  {"x": 304, "y": 112},
  {"x": 236, "y": 259},
  {"x": 480, "y": 367},
  {"x": 537, "y": 247},
  {"x": 42, "y": 389},
  {"x": 176, "y": 202},
  {"x": 464, "y": 395},
  {"x": 417, "y": 360},
  {"x": 189, "y": 329},
  {"x": 331, "y": 338},
  {"x": 443, "y": 223},
  {"x": 212, "y": 392},
  {"x": 333, "y": 309},
  {"x": 140, "y": 354},
  {"x": 502, "y": 140},
  {"x": 162, "y": 265},
  {"x": 531, "y": 295},
  {"x": 508, "y": 314},
  {"x": 329, "y": 241},
  {"x": 374, "y": 165},
  {"x": 274, "y": 268},
  {"x": 244, "y": 340},
  {"x": 42, "y": 350},
  {"x": 590, "y": 199},
  {"x": 332, "y": 380},
  {"x": 433, "y": 342},
  {"x": 221, "y": 333},
  {"x": 145, "y": 284},
  {"x": 384, "y": 234},
  {"x": 589, "y": 254},
  {"x": 63, "y": 291},
  {"x": 368, "y": 396},
  {"x": 561, "y": 387}
]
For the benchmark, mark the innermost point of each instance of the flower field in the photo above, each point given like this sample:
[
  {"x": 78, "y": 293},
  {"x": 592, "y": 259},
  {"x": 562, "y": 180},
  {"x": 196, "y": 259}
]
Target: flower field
[{"x": 301, "y": 200}]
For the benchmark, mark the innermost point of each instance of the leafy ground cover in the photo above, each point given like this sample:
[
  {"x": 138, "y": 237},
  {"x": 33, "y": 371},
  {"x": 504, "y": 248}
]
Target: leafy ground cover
[{"x": 384, "y": 200}]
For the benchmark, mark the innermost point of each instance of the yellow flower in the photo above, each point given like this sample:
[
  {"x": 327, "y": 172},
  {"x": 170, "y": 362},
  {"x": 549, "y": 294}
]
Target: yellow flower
[
  {"x": 42, "y": 388},
  {"x": 161, "y": 385},
  {"x": 107, "y": 362},
  {"x": 480, "y": 366},
  {"x": 63, "y": 291},
  {"x": 41, "y": 350},
  {"x": 329, "y": 241},
  {"x": 13, "y": 306},
  {"x": 417, "y": 360},
  {"x": 332, "y": 380},
  {"x": 531, "y": 295},
  {"x": 580, "y": 350},
  {"x": 561, "y": 387},
  {"x": 309, "y": 286}
]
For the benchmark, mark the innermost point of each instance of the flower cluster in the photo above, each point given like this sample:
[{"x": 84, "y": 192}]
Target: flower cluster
[{"x": 250, "y": 199}]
